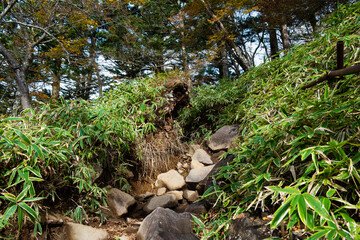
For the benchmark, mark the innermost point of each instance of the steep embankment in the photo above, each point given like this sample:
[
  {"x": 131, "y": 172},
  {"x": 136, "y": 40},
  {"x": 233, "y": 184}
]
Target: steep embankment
[{"x": 299, "y": 150}]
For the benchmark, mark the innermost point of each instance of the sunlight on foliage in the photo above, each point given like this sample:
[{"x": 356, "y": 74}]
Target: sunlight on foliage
[{"x": 298, "y": 150}]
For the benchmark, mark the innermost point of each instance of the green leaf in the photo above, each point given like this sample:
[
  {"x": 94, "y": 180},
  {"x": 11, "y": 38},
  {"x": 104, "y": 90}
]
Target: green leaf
[
  {"x": 20, "y": 217},
  {"x": 34, "y": 171},
  {"x": 302, "y": 209},
  {"x": 331, "y": 234},
  {"x": 37, "y": 150},
  {"x": 33, "y": 199},
  {"x": 6, "y": 139},
  {"x": 277, "y": 162},
  {"x": 13, "y": 119},
  {"x": 290, "y": 190},
  {"x": 198, "y": 222},
  {"x": 30, "y": 212},
  {"x": 21, "y": 145},
  {"x": 316, "y": 205},
  {"x": 22, "y": 136},
  {"x": 9, "y": 196},
  {"x": 305, "y": 153},
  {"x": 23, "y": 193},
  {"x": 9, "y": 212},
  {"x": 281, "y": 212},
  {"x": 318, "y": 235},
  {"x": 330, "y": 192},
  {"x": 344, "y": 234}
]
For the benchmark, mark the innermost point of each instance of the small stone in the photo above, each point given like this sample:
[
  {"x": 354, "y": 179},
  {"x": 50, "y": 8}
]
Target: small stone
[
  {"x": 119, "y": 201},
  {"x": 161, "y": 191},
  {"x": 197, "y": 208},
  {"x": 179, "y": 165},
  {"x": 144, "y": 196},
  {"x": 216, "y": 156},
  {"x": 196, "y": 164},
  {"x": 192, "y": 149},
  {"x": 159, "y": 184},
  {"x": 77, "y": 231},
  {"x": 171, "y": 179},
  {"x": 191, "y": 196},
  {"x": 185, "y": 165},
  {"x": 202, "y": 156},
  {"x": 178, "y": 194},
  {"x": 198, "y": 174},
  {"x": 165, "y": 201}
]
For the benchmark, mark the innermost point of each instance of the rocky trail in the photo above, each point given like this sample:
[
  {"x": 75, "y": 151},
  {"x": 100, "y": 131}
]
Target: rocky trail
[{"x": 165, "y": 212}]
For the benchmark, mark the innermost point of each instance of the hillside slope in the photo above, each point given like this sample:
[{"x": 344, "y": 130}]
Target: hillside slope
[{"x": 299, "y": 150}]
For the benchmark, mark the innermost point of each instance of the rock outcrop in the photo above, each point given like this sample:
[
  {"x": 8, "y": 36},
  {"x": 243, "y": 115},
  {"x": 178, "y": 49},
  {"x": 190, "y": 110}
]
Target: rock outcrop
[
  {"x": 75, "y": 231},
  {"x": 223, "y": 137},
  {"x": 165, "y": 224},
  {"x": 202, "y": 156},
  {"x": 119, "y": 201},
  {"x": 165, "y": 201}
]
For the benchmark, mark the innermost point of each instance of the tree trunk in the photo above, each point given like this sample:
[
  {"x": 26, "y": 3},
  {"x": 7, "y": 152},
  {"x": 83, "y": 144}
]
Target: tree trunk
[
  {"x": 23, "y": 88},
  {"x": 285, "y": 36},
  {"x": 56, "y": 80},
  {"x": 313, "y": 22},
  {"x": 224, "y": 63},
  {"x": 99, "y": 81},
  {"x": 20, "y": 76},
  {"x": 274, "y": 48},
  {"x": 240, "y": 57},
  {"x": 55, "y": 87}
]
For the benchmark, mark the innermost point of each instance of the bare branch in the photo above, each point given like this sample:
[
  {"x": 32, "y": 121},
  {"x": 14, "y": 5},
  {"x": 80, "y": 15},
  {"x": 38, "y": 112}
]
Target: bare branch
[
  {"x": 7, "y": 9},
  {"x": 332, "y": 74},
  {"x": 42, "y": 37}
]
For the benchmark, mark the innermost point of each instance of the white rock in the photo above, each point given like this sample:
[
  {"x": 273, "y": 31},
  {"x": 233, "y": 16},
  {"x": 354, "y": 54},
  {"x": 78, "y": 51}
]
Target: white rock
[
  {"x": 171, "y": 179},
  {"x": 196, "y": 164},
  {"x": 81, "y": 232},
  {"x": 198, "y": 174},
  {"x": 159, "y": 184},
  {"x": 179, "y": 165},
  {"x": 177, "y": 194},
  {"x": 185, "y": 165},
  {"x": 191, "y": 196},
  {"x": 161, "y": 191}
]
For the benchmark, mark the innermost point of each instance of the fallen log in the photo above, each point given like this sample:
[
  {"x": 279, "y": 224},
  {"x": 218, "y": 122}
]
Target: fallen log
[{"x": 332, "y": 74}]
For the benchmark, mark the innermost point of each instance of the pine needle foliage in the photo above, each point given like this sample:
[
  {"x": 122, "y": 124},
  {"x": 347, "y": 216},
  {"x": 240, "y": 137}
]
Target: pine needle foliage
[{"x": 299, "y": 149}]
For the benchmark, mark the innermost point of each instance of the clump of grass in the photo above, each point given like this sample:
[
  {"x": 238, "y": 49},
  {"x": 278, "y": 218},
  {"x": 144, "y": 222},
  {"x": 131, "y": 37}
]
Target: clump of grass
[{"x": 59, "y": 146}]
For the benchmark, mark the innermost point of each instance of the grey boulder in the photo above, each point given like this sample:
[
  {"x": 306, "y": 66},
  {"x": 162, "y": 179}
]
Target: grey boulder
[
  {"x": 201, "y": 156},
  {"x": 166, "y": 201},
  {"x": 119, "y": 201},
  {"x": 223, "y": 137},
  {"x": 165, "y": 224},
  {"x": 198, "y": 174}
]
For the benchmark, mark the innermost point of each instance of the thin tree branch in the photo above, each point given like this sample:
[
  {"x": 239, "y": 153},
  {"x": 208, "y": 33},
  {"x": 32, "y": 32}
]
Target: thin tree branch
[
  {"x": 47, "y": 33},
  {"x": 7, "y": 9},
  {"x": 332, "y": 74}
]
